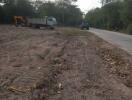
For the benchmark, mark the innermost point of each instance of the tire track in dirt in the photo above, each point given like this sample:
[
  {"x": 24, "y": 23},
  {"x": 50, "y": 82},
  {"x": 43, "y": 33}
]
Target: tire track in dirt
[
  {"x": 87, "y": 77},
  {"x": 34, "y": 79},
  {"x": 65, "y": 64}
]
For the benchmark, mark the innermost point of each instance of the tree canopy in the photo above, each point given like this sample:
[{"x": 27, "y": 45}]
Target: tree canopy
[
  {"x": 112, "y": 16},
  {"x": 65, "y": 11}
]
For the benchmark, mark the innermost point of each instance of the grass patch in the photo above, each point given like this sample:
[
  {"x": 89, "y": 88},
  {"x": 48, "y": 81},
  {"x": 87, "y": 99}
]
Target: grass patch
[{"x": 73, "y": 32}]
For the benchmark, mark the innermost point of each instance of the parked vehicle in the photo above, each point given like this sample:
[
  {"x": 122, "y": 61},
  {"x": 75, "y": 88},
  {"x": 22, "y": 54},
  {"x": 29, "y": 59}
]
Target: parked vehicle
[
  {"x": 84, "y": 25},
  {"x": 49, "y": 22},
  {"x": 19, "y": 21}
]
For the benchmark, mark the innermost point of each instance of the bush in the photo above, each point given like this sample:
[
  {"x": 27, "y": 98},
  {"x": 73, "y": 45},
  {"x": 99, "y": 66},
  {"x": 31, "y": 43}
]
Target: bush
[{"x": 129, "y": 29}]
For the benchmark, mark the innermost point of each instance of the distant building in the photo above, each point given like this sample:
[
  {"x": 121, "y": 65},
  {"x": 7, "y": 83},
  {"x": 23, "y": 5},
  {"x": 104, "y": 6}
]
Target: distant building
[{"x": 104, "y": 2}]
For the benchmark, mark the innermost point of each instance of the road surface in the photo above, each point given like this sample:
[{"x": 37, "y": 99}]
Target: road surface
[{"x": 122, "y": 41}]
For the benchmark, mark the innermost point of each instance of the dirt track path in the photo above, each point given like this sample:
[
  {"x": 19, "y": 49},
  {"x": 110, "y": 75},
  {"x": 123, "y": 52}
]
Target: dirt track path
[
  {"x": 86, "y": 77},
  {"x": 65, "y": 64}
]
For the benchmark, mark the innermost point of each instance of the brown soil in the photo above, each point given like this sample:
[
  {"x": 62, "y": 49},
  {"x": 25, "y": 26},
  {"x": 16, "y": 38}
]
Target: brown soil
[{"x": 62, "y": 64}]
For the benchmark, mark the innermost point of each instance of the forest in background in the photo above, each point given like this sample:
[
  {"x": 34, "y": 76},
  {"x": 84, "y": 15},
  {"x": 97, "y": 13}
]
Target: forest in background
[
  {"x": 115, "y": 16},
  {"x": 65, "y": 11}
]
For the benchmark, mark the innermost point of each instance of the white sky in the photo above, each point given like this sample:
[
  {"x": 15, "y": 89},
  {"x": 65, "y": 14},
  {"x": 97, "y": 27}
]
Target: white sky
[{"x": 86, "y": 5}]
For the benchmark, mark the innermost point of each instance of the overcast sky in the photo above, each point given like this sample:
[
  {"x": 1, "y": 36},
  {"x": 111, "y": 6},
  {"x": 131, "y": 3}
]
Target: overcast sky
[{"x": 86, "y": 5}]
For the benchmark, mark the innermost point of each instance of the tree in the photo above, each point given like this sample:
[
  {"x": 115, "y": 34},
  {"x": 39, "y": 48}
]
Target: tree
[
  {"x": 69, "y": 2},
  {"x": 109, "y": 16},
  {"x": 95, "y": 21},
  {"x": 66, "y": 13},
  {"x": 126, "y": 13},
  {"x": 47, "y": 9},
  {"x": 102, "y": 2},
  {"x": 17, "y": 8},
  {"x": 1, "y": 14},
  {"x": 24, "y": 8},
  {"x": 112, "y": 15}
]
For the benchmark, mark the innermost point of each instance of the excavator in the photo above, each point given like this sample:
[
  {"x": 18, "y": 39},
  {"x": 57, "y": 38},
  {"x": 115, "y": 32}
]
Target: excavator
[{"x": 20, "y": 21}]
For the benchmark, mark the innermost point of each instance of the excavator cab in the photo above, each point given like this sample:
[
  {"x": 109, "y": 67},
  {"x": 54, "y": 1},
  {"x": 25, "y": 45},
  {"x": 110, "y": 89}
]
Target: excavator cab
[{"x": 19, "y": 21}]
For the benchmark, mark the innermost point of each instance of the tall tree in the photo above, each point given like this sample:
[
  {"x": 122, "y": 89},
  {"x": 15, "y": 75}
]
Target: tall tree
[
  {"x": 65, "y": 12},
  {"x": 64, "y": 5},
  {"x": 17, "y": 8},
  {"x": 126, "y": 13}
]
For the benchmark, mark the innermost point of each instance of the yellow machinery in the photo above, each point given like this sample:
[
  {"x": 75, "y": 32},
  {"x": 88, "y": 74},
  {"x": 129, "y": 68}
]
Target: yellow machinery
[{"x": 19, "y": 20}]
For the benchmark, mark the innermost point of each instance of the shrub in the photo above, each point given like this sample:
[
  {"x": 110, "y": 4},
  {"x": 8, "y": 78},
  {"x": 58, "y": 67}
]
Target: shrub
[{"x": 129, "y": 29}]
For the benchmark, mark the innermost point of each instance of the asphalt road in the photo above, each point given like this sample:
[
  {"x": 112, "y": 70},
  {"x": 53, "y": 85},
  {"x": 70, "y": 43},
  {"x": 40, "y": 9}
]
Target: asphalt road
[{"x": 123, "y": 41}]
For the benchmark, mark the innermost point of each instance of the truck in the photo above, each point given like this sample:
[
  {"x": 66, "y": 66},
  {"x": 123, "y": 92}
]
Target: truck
[{"x": 48, "y": 22}]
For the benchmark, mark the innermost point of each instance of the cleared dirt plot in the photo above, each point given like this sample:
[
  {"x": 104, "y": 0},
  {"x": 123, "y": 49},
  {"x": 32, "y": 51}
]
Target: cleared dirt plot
[{"x": 61, "y": 64}]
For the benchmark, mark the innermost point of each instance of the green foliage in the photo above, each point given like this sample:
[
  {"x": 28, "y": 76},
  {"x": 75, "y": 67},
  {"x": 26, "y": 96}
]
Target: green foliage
[
  {"x": 1, "y": 14},
  {"x": 16, "y": 8},
  {"x": 94, "y": 17},
  {"x": 113, "y": 16},
  {"x": 129, "y": 29},
  {"x": 64, "y": 11},
  {"x": 126, "y": 14}
]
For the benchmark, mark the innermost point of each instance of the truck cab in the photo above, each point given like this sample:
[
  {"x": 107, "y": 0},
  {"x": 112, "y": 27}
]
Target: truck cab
[{"x": 51, "y": 21}]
